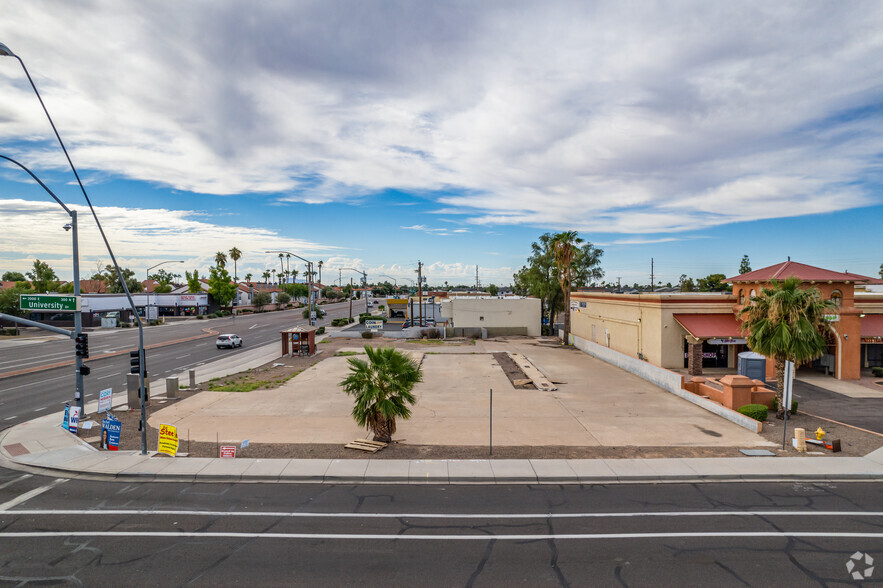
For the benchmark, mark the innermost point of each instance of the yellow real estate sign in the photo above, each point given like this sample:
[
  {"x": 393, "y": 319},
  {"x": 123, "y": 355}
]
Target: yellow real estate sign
[{"x": 168, "y": 440}]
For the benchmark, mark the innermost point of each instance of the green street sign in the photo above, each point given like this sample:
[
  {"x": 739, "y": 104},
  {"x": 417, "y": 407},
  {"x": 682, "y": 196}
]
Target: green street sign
[{"x": 49, "y": 302}]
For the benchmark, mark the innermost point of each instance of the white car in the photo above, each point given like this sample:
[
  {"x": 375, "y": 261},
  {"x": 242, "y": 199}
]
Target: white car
[{"x": 229, "y": 340}]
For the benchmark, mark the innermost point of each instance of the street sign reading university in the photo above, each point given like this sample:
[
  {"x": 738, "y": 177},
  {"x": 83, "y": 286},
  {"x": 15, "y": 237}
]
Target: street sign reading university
[{"x": 49, "y": 302}]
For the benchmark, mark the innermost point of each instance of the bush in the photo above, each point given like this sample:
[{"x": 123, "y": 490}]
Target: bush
[
  {"x": 200, "y": 317},
  {"x": 370, "y": 317},
  {"x": 877, "y": 371},
  {"x": 430, "y": 334},
  {"x": 367, "y": 334},
  {"x": 774, "y": 406},
  {"x": 320, "y": 331},
  {"x": 758, "y": 412}
]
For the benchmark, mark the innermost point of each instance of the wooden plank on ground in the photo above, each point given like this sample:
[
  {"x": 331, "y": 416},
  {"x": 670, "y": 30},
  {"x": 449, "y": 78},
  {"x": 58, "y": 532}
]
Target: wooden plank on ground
[{"x": 366, "y": 445}]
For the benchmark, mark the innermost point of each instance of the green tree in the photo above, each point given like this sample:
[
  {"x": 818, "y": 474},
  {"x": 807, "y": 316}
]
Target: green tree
[
  {"x": 261, "y": 299},
  {"x": 67, "y": 288},
  {"x": 193, "y": 283},
  {"x": 881, "y": 270},
  {"x": 745, "y": 266},
  {"x": 283, "y": 298},
  {"x": 220, "y": 287},
  {"x": 539, "y": 277},
  {"x": 686, "y": 284},
  {"x": 266, "y": 276},
  {"x": 164, "y": 280},
  {"x": 43, "y": 277},
  {"x": 235, "y": 255},
  {"x": 20, "y": 277},
  {"x": 9, "y": 300},
  {"x": 713, "y": 283},
  {"x": 248, "y": 277},
  {"x": 493, "y": 290},
  {"x": 382, "y": 389},
  {"x": 220, "y": 259},
  {"x": 320, "y": 270},
  {"x": 786, "y": 323},
  {"x": 112, "y": 281},
  {"x": 564, "y": 250}
]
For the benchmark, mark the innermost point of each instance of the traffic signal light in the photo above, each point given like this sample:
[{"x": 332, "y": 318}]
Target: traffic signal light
[
  {"x": 135, "y": 362},
  {"x": 82, "y": 345},
  {"x": 85, "y": 370}
]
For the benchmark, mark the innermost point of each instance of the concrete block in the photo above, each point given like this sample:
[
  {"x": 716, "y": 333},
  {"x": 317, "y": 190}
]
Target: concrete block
[
  {"x": 388, "y": 470},
  {"x": 513, "y": 470},
  {"x": 171, "y": 387},
  {"x": 553, "y": 471},
  {"x": 346, "y": 470},
  {"x": 470, "y": 470},
  {"x": 592, "y": 471},
  {"x": 428, "y": 471},
  {"x": 306, "y": 470}
]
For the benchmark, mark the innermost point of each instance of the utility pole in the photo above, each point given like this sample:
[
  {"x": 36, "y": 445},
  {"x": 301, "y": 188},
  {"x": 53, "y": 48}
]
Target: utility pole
[
  {"x": 420, "y": 289},
  {"x": 351, "y": 299},
  {"x": 80, "y": 393},
  {"x": 652, "y": 277},
  {"x": 619, "y": 285}
]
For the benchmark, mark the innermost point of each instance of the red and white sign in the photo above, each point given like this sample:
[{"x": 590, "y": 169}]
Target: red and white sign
[{"x": 228, "y": 451}]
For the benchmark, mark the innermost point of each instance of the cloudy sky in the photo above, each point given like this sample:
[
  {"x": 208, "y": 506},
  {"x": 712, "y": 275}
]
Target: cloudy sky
[{"x": 376, "y": 134}]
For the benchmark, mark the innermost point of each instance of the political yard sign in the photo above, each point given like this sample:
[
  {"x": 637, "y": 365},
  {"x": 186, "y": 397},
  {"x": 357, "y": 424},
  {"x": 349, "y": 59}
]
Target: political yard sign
[
  {"x": 168, "y": 440},
  {"x": 110, "y": 434}
]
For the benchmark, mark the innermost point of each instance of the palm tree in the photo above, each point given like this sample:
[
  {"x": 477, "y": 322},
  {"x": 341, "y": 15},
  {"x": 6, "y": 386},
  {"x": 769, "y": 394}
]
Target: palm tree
[
  {"x": 266, "y": 276},
  {"x": 248, "y": 277},
  {"x": 382, "y": 389},
  {"x": 786, "y": 323},
  {"x": 320, "y": 270},
  {"x": 281, "y": 265},
  {"x": 564, "y": 247},
  {"x": 220, "y": 259},
  {"x": 294, "y": 273},
  {"x": 274, "y": 274},
  {"x": 235, "y": 255},
  {"x": 288, "y": 263}
]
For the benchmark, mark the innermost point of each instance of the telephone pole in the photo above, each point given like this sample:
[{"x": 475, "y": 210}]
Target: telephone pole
[
  {"x": 420, "y": 290},
  {"x": 477, "y": 280},
  {"x": 652, "y": 277}
]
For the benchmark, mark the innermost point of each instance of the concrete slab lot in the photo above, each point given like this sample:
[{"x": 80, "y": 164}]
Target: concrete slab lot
[{"x": 595, "y": 404}]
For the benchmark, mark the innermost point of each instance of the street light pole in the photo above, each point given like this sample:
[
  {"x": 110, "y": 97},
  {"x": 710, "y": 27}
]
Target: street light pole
[
  {"x": 364, "y": 284},
  {"x": 147, "y": 285},
  {"x": 309, "y": 283},
  {"x": 79, "y": 394},
  {"x": 7, "y": 52}
]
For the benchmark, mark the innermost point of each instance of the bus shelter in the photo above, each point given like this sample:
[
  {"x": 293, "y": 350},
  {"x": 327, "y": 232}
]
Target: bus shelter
[{"x": 299, "y": 341}]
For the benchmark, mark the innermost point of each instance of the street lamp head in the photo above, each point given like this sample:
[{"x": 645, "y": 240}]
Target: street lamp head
[
  {"x": 6, "y": 51},
  {"x": 67, "y": 227}
]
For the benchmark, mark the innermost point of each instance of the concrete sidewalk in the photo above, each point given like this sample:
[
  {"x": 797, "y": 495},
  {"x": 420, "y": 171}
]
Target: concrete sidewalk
[{"x": 42, "y": 446}]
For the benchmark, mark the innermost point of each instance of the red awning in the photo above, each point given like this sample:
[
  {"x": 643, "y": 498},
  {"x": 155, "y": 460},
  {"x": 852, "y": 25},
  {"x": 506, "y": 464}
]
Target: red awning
[
  {"x": 872, "y": 325},
  {"x": 711, "y": 326}
]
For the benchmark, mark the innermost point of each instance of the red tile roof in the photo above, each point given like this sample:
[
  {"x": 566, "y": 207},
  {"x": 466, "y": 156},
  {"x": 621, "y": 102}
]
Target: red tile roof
[
  {"x": 806, "y": 273},
  {"x": 711, "y": 326}
]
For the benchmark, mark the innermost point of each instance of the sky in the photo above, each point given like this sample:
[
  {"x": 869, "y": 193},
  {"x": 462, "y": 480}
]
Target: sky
[{"x": 376, "y": 135}]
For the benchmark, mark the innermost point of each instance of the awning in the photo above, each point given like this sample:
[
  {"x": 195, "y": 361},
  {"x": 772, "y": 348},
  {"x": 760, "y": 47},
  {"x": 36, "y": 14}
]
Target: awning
[
  {"x": 872, "y": 325},
  {"x": 711, "y": 326}
]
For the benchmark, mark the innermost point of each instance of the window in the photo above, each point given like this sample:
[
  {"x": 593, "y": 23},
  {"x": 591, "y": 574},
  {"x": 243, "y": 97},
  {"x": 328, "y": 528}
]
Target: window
[
  {"x": 751, "y": 296},
  {"x": 837, "y": 298},
  {"x": 741, "y": 296}
]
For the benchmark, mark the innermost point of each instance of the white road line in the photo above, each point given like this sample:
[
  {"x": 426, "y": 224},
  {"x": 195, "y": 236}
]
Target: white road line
[
  {"x": 423, "y": 515},
  {"x": 39, "y": 409},
  {"x": 107, "y": 376},
  {"x": 481, "y": 537},
  {"x": 252, "y": 327},
  {"x": 18, "y": 479},
  {"x": 10, "y": 418},
  {"x": 36, "y": 383},
  {"x": 28, "y": 495},
  {"x": 183, "y": 356}
]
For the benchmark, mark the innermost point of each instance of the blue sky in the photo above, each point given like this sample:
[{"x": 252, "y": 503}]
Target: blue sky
[{"x": 374, "y": 135}]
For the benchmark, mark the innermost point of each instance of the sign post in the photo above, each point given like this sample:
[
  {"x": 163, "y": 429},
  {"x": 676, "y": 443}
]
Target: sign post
[{"x": 786, "y": 398}]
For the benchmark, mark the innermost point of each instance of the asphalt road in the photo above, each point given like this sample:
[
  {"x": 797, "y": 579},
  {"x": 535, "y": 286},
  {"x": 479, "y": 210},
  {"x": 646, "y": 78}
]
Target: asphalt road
[
  {"x": 866, "y": 413},
  {"x": 68, "y": 532},
  {"x": 27, "y": 396}
]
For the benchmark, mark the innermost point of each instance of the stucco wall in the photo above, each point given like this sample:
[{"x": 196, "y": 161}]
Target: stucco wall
[{"x": 491, "y": 313}]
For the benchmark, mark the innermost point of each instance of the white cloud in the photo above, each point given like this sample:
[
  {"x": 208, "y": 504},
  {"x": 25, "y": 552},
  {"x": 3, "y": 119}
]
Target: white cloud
[{"x": 589, "y": 116}]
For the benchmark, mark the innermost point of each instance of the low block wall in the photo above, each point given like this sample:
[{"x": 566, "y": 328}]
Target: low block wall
[{"x": 669, "y": 381}]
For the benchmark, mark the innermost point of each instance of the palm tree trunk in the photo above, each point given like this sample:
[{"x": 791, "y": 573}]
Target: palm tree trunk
[
  {"x": 780, "y": 387},
  {"x": 566, "y": 317},
  {"x": 381, "y": 431}
]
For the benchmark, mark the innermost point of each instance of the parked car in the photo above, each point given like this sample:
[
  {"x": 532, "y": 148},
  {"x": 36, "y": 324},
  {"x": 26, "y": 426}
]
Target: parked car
[{"x": 229, "y": 340}]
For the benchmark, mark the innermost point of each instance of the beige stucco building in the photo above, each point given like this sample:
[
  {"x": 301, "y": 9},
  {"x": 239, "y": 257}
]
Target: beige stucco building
[{"x": 499, "y": 315}]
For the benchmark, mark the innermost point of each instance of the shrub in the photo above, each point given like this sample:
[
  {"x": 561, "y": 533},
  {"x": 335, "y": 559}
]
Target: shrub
[
  {"x": 370, "y": 317},
  {"x": 877, "y": 371},
  {"x": 758, "y": 412},
  {"x": 320, "y": 331},
  {"x": 367, "y": 334},
  {"x": 200, "y": 317},
  {"x": 774, "y": 406},
  {"x": 430, "y": 334}
]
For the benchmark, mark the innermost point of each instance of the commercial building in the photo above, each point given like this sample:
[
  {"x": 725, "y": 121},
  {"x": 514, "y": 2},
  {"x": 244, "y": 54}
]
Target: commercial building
[
  {"x": 493, "y": 315},
  {"x": 700, "y": 330}
]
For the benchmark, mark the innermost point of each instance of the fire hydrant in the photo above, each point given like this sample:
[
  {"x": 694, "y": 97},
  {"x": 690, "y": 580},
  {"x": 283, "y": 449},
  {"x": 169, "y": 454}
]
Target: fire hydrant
[{"x": 820, "y": 434}]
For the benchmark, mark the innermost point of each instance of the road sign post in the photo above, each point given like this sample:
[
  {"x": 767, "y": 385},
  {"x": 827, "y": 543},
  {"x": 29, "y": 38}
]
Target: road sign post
[{"x": 786, "y": 398}]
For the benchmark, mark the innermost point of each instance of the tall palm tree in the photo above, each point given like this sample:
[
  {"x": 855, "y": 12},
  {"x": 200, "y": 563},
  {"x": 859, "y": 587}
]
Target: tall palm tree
[
  {"x": 281, "y": 265},
  {"x": 786, "y": 323},
  {"x": 382, "y": 389},
  {"x": 288, "y": 263},
  {"x": 235, "y": 255},
  {"x": 320, "y": 270},
  {"x": 266, "y": 276},
  {"x": 294, "y": 273},
  {"x": 274, "y": 274},
  {"x": 564, "y": 247},
  {"x": 248, "y": 277},
  {"x": 220, "y": 259}
]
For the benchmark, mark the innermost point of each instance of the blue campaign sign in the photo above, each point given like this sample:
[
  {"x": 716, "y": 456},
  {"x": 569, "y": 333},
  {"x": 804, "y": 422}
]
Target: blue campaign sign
[
  {"x": 110, "y": 434},
  {"x": 65, "y": 423}
]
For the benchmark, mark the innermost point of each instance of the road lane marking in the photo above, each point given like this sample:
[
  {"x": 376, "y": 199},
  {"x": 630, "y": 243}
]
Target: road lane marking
[
  {"x": 39, "y": 409},
  {"x": 423, "y": 515},
  {"x": 183, "y": 356},
  {"x": 18, "y": 479},
  {"x": 10, "y": 418},
  {"x": 478, "y": 537},
  {"x": 36, "y": 383},
  {"x": 107, "y": 376},
  {"x": 31, "y": 494},
  {"x": 252, "y": 327}
]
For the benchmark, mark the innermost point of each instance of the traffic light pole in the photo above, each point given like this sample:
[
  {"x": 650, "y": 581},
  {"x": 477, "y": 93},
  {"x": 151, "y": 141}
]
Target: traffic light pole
[{"x": 80, "y": 394}]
